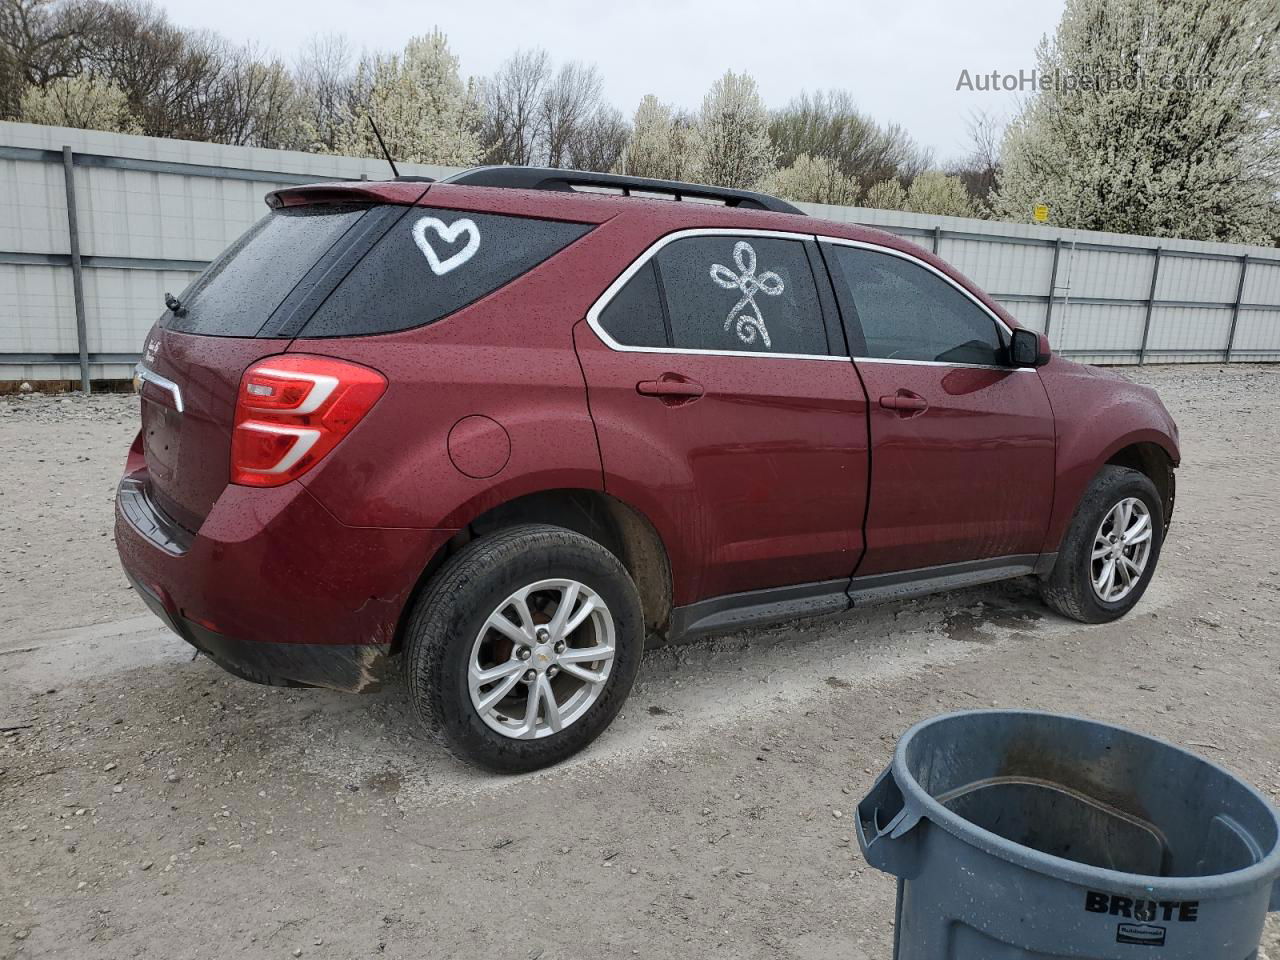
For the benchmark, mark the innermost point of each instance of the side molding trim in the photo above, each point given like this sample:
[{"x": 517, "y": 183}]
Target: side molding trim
[
  {"x": 907, "y": 584},
  {"x": 754, "y": 608},
  {"x": 735, "y": 611}
]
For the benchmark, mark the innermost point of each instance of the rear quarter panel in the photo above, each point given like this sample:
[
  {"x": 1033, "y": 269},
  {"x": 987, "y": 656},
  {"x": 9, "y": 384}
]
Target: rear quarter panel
[
  {"x": 508, "y": 357},
  {"x": 1097, "y": 413}
]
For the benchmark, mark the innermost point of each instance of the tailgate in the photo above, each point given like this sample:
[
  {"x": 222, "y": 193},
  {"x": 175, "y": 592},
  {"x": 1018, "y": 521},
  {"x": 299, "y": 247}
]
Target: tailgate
[
  {"x": 196, "y": 354},
  {"x": 187, "y": 412}
]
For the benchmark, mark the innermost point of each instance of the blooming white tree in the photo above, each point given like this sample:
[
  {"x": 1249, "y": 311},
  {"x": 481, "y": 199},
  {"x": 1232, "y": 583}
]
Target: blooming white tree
[
  {"x": 1165, "y": 120},
  {"x": 733, "y": 132},
  {"x": 811, "y": 180},
  {"x": 424, "y": 111},
  {"x": 885, "y": 195},
  {"x": 935, "y": 192},
  {"x": 663, "y": 143},
  {"x": 84, "y": 102}
]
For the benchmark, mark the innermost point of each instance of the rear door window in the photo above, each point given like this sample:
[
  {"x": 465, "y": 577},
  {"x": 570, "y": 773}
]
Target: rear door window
[
  {"x": 243, "y": 287},
  {"x": 908, "y": 312},
  {"x": 742, "y": 294},
  {"x": 634, "y": 317},
  {"x": 433, "y": 262}
]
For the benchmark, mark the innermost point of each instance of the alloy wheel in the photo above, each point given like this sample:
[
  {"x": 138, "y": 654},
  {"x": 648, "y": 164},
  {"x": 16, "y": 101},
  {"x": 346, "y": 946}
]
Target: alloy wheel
[
  {"x": 541, "y": 659},
  {"x": 1121, "y": 549}
]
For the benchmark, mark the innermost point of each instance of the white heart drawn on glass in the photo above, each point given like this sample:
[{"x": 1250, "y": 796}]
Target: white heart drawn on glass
[{"x": 449, "y": 234}]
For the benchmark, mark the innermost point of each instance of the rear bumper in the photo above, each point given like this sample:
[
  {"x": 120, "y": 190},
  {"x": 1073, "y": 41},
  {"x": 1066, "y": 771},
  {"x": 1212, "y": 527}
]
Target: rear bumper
[
  {"x": 357, "y": 668},
  {"x": 273, "y": 587}
]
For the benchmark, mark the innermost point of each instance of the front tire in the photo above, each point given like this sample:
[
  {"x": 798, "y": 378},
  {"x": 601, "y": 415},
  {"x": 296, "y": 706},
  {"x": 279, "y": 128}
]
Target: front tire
[
  {"x": 524, "y": 646},
  {"x": 1109, "y": 553}
]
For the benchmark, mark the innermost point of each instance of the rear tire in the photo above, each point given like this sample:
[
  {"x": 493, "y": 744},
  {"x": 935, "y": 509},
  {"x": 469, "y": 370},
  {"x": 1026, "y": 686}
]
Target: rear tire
[
  {"x": 1082, "y": 584},
  {"x": 519, "y": 579}
]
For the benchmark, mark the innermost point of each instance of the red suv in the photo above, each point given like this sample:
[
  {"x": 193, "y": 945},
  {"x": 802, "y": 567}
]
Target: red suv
[{"x": 507, "y": 429}]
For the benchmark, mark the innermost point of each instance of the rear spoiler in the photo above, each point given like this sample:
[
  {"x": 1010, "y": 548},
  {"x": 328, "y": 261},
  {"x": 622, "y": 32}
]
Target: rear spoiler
[{"x": 353, "y": 191}]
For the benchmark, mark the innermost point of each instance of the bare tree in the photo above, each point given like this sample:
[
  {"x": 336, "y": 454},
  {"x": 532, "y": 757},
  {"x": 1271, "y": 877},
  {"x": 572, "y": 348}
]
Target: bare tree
[
  {"x": 323, "y": 77},
  {"x": 512, "y": 99},
  {"x": 41, "y": 41},
  {"x": 191, "y": 84},
  {"x": 263, "y": 107},
  {"x": 829, "y": 125},
  {"x": 979, "y": 169},
  {"x": 569, "y": 102},
  {"x": 171, "y": 77},
  {"x": 598, "y": 143}
]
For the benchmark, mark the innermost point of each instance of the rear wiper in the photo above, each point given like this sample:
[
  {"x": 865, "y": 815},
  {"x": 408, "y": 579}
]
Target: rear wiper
[{"x": 174, "y": 304}]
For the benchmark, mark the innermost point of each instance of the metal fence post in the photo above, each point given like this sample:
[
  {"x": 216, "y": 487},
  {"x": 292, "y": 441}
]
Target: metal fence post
[
  {"x": 1235, "y": 307},
  {"x": 1151, "y": 305},
  {"x": 1053, "y": 284},
  {"x": 77, "y": 278},
  {"x": 937, "y": 240}
]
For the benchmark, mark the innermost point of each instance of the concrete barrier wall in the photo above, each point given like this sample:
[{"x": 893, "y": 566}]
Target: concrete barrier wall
[{"x": 150, "y": 213}]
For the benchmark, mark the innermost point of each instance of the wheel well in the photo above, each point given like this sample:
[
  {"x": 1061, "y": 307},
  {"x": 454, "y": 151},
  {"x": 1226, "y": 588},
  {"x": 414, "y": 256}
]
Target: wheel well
[
  {"x": 616, "y": 526},
  {"x": 1150, "y": 459}
]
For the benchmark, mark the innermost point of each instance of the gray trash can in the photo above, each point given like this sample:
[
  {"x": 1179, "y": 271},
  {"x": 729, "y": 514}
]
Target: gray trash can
[{"x": 1023, "y": 836}]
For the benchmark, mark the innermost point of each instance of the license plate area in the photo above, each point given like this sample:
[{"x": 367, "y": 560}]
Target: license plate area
[{"x": 161, "y": 438}]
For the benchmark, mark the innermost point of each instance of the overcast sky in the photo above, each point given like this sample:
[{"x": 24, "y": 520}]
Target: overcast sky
[{"x": 901, "y": 59}]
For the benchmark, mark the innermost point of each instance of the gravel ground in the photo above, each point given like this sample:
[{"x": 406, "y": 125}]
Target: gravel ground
[{"x": 150, "y": 805}]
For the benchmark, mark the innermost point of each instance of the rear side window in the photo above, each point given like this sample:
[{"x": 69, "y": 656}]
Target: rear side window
[
  {"x": 910, "y": 313},
  {"x": 746, "y": 294},
  {"x": 433, "y": 262},
  {"x": 240, "y": 290}
]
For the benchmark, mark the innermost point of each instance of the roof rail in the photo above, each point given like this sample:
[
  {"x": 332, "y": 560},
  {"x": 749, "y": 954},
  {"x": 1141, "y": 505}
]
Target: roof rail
[{"x": 550, "y": 178}]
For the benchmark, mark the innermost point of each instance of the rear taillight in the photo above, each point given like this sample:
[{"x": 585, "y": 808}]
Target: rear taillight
[{"x": 292, "y": 410}]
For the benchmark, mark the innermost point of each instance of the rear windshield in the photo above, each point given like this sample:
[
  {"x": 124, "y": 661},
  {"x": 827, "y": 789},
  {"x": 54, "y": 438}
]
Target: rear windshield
[
  {"x": 433, "y": 262},
  {"x": 243, "y": 287}
]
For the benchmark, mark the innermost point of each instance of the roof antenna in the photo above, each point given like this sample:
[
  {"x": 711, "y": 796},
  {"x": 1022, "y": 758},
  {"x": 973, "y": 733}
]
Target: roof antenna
[{"x": 385, "y": 152}]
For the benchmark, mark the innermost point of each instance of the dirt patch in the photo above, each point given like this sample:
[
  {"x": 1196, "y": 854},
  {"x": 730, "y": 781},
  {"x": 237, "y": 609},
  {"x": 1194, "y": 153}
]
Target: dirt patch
[
  {"x": 152, "y": 806},
  {"x": 975, "y": 624}
]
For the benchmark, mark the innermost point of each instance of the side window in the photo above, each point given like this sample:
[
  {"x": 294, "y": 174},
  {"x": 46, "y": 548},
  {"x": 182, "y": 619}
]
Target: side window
[
  {"x": 747, "y": 294},
  {"x": 432, "y": 263},
  {"x": 910, "y": 313},
  {"x": 634, "y": 316}
]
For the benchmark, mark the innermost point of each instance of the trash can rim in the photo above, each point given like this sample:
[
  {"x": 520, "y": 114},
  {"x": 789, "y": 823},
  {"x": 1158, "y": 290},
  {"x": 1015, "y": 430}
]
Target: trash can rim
[{"x": 1211, "y": 886}]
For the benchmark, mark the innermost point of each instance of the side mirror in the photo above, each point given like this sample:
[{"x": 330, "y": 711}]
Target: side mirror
[{"x": 1028, "y": 349}]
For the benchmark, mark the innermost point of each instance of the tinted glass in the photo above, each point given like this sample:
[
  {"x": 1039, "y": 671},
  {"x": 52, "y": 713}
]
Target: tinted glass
[
  {"x": 433, "y": 262},
  {"x": 910, "y": 313},
  {"x": 240, "y": 290},
  {"x": 634, "y": 316},
  {"x": 747, "y": 294}
]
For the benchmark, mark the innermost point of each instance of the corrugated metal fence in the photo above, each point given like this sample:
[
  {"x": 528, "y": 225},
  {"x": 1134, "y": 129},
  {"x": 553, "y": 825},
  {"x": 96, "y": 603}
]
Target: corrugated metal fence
[{"x": 95, "y": 227}]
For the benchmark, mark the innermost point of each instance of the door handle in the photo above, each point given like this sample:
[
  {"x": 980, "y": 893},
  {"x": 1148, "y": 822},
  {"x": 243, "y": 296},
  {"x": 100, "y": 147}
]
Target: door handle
[
  {"x": 670, "y": 385},
  {"x": 907, "y": 404}
]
